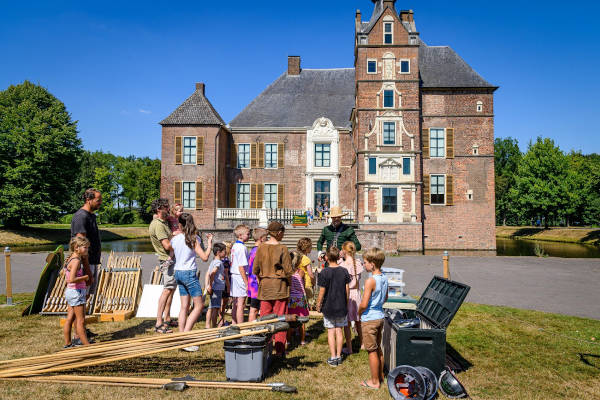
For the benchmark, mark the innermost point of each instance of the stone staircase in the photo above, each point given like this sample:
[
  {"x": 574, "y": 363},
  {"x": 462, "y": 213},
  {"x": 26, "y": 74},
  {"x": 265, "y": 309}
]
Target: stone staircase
[{"x": 293, "y": 234}]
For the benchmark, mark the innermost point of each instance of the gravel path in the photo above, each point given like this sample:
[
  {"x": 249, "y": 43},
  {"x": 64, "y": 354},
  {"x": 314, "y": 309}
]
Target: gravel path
[{"x": 559, "y": 285}]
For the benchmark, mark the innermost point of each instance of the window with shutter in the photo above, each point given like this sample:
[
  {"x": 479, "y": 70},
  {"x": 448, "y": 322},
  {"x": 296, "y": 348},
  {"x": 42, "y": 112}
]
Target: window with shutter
[
  {"x": 449, "y": 142},
  {"x": 438, "y": 189},
  {"x": 253, "y": 195},
  {"x": 261, "y": 156},
  {"x": 449, "y": 190},
  {"x": 280, "y": 149},
  {"x": 270, "y": 195},
  {"x": 280, "y": 195},
  {"x": 232, "y": 194},
  {"x": 425, "y": 142},
  {"x": 234, "y": 160},
  {"x": 253, "y": 155},
  {"x": 271, "y": 155},
  {"x": 198, "y": 195},
  {"x": 177, "y": 193},
  {"x": 200, "y": 150},
  {"x": 178, "y": 151},
  {"x": 426, "y": 196}
]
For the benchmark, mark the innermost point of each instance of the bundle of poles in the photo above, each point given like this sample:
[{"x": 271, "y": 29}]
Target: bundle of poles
[{"x": 31, "y": 368}]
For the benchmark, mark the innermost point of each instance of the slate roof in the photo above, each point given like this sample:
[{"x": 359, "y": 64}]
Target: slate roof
[
  {"x": 441, "y": 67},
  {"x": 196, "y": 110},
  {"x": 298, "y": 100}
]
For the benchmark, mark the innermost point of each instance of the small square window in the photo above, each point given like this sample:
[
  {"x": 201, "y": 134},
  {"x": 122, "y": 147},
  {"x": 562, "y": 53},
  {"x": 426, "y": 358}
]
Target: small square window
[
  {"x": 475, "y": 150},
  {"x": 405, "y": 66},
  {"x": 406, "y": 166},
  {"x": 479, "y": 106},
  {"x": 371, "y": 67},
  {"x": 372, "y": 165},
  {"x": 388, "y": 98}
]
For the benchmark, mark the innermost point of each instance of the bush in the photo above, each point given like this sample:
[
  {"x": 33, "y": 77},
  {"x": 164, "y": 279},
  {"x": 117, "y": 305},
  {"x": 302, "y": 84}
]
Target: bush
[
  {"x": 66, "y": 219},
  {"x": 127, "y": 217}
]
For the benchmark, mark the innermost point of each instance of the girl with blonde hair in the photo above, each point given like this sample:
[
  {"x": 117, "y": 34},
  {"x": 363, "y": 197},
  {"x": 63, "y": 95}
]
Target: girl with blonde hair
[{"x": 354, "y": 267}]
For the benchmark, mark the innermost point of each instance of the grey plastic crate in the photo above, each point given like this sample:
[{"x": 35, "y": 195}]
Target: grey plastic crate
[{"x": 247, "y": 359}]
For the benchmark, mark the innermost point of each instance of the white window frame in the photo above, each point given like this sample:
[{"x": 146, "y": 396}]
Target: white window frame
[
  {"x": 190, "y": 202},
  {"x": 315, "y": 160},
  {"x": 400, "y": 69},
  {"x": 431, "y": 191},
  {"x": 479, "y": 106},
  {"x": 276, "y": 155},
  {"x": 193, "y": 157},
  {"x": 238, "y": 155},
  {"x": 371, "y": 60},
  {"x": 240, "y": 203},
  {"x": 397, "y": 202},
  {"x": 388, "y": 33},
  {"x": 383, "y": 133},
  {"x": 273, "y": 200},
  {"x": 443, "y": 147}
]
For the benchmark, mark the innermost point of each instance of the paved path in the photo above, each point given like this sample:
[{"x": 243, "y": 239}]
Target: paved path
[{"x": 560, "y": 285}]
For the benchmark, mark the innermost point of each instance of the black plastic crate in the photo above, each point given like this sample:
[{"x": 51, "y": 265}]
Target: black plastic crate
[{"x": 426, "y": 345}]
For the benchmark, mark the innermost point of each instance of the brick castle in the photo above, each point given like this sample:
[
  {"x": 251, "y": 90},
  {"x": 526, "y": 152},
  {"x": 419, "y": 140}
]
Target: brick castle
[{"x": 404, "y": 141}]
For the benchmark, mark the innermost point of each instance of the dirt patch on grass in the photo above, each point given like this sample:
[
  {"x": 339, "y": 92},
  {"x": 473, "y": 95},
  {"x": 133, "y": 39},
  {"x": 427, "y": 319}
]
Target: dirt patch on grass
[
  {"x": 60, "y": 234},
  {"x": 566, "y": 235}
]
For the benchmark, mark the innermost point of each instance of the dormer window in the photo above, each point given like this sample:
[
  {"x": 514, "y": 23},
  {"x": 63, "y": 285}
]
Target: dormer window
[{"x": 388, "y": 35}]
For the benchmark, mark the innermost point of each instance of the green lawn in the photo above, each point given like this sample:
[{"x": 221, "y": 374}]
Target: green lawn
[
  {"x": 41, "y": 234},
  {"x": 515, "y": 354}
]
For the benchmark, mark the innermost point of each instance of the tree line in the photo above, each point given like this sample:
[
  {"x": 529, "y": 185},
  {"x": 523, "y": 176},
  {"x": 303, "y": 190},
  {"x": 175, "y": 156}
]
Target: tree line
[
  {"x": 44, "y": 169},
  {"x": 544, "y": 185}
]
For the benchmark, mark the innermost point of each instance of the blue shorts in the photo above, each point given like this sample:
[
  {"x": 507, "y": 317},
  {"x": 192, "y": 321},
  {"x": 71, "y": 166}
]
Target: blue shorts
[
  {"x": 188, "y": 283},
  {"x": 75, "y": 297},
  {"x": 215, "y": 299}
]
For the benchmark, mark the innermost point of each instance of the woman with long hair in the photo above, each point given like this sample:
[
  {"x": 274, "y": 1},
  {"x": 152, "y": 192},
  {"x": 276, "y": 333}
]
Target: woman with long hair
[{"x": 186, "y": 247}]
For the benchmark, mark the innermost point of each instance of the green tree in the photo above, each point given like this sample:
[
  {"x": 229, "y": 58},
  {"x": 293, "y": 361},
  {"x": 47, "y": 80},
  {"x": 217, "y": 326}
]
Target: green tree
[
  {"x": 541, "y": 184},
  {"x": 506, "y": 160},
  {"x": 39, "y": 154}
]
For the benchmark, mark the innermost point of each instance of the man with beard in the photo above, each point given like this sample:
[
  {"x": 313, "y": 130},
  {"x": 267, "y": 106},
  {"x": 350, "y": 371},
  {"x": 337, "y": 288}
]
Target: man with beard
[{"x": 337, "y": 233}]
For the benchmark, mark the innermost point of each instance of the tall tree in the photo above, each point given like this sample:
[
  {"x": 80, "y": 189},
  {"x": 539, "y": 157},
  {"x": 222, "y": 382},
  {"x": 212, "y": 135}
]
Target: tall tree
[
  {"x": 541, "y": 185},
  {"x": 39, "y": 154},
  {"x": 506, "y": 160}
]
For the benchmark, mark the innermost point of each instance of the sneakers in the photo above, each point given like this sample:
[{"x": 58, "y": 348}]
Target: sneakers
[
  {"x": 191, "y": 349},
  {"x": 334, "y": 362},
  {"x": 77, "y": 342},
  {"x": 68, "y": 346}
]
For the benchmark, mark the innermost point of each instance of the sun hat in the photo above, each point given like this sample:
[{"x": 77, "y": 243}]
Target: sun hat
[{"x": 336, "y": 211}]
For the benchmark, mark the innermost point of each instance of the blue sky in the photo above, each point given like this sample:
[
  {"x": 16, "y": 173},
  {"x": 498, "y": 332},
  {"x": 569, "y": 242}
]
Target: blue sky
[{"x": 121, "y": 67}]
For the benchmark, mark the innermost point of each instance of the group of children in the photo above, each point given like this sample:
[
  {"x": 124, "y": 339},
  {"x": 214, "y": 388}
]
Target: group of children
[{"x": 230, "y": 278}]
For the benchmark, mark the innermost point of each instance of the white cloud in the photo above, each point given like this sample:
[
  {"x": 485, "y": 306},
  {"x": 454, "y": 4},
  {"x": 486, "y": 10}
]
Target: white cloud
[
  {"x": 145, "y": 111},
  {"x": 124, "y": 112}
]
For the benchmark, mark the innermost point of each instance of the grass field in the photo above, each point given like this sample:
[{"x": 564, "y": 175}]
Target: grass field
[
  {"x": 514, "y": 354},
  {"x": 565, "y": 235},
  {"x": 41, "y": 234}
]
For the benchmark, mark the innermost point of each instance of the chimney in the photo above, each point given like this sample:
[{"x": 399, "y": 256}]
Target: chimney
[
  {"x": 406, "y": 16},
  {"x": 294, "y": 65},
  {"x": 390, "y": 4},
  {"x": 200, "y": 87},
  {"x": 358, "y": 19}
]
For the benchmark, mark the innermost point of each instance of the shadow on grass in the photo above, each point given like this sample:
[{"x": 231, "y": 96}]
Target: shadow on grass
[
  {"x": 594, "y": 362},
  {"x": 527, "y": 232},
  {"x": 455, "y": 360},
  {"x": 593, "y": 237},
  {"x": 293, "y": 363},
  {"x": 127, "y": 333},
  {"x": 176, "y": 366}
]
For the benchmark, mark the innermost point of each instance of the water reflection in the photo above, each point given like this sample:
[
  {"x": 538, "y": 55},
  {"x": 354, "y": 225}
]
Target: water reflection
[{"x": 505, "y": 247}]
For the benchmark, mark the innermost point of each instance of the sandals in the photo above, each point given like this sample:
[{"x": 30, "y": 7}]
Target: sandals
[
  {"x": 164, "y": 328},
  {"x": 365, "y": 384}
]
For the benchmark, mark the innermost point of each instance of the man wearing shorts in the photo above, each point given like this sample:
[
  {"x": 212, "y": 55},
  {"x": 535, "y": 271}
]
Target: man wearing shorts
[{"x": 160, "y": 235}]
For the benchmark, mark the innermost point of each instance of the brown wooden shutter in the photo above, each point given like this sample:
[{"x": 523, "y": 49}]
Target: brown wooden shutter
[
  {"x": 178, "y": 153},
  {"x": 233, "y": 163},
  {"x": 199, "y": 195},
  {"x": 253, "y": 156},
  {"x": 200, "y": 150},
  {"x": 426, "y": 196},
  {"x": 449, "y": 142},
  {"x": 425, "y": 143},
  {"x": 449, "y": 190},
  {"x": 177, "y": 192},
  {"x": 261, "y": 156},
  {"x": 232, "y": 195},
  {"x": 280, "y": 150},
  {"x": 253, "y": 195},
  {"x": 260, "y": 194},
  {"x": 280, "y": 195}
]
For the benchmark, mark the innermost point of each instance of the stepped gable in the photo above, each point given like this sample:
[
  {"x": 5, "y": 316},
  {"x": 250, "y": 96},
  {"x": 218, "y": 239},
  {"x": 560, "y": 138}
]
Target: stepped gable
[
  {"x": 441, "y": 67},
  {"x": 296, "y": 100},
  {"x": 196, "y": 110}
]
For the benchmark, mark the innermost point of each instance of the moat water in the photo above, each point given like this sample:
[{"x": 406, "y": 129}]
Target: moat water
[{"x": 505, "y": 247}]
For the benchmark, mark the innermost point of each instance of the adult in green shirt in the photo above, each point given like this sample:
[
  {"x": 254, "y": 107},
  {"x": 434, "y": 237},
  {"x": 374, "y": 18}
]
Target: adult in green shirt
[
  {"x": 160, "y": 236},
  {"x": 337, "y": 233}
]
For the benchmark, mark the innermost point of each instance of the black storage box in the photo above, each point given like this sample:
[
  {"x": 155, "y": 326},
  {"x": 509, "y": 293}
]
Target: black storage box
[{"x": 426, "y": 345}]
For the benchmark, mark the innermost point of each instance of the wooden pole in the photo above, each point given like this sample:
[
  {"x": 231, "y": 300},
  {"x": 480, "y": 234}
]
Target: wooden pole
[
  {"x": 446, "y": 259},
  {"x": 9, "y": 301}
]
